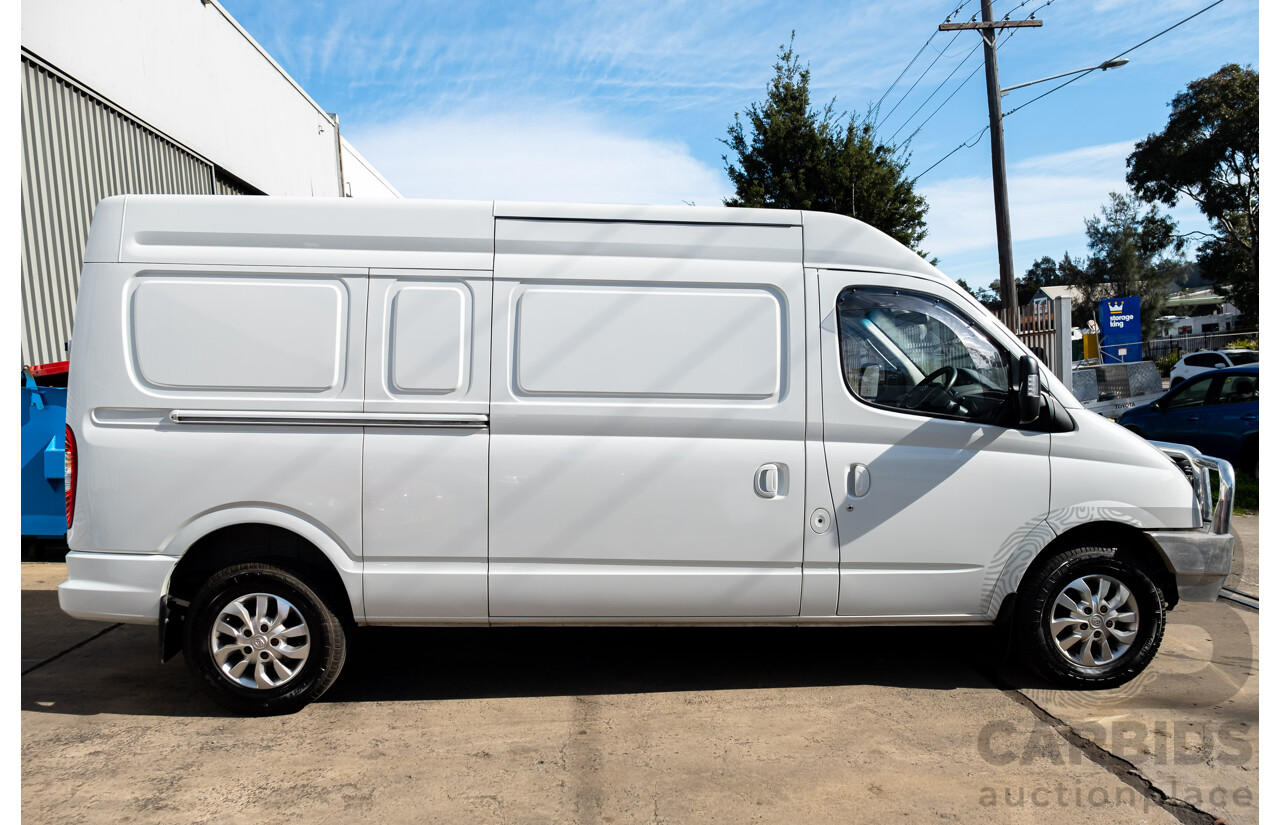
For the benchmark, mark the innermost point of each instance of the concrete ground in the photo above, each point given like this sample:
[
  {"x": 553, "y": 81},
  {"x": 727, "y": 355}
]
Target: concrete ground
[{"x": 526, "y": 725}]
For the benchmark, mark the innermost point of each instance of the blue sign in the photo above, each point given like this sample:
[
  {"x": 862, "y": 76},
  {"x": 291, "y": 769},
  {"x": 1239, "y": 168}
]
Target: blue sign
[{"x": 1121, "y": 323}]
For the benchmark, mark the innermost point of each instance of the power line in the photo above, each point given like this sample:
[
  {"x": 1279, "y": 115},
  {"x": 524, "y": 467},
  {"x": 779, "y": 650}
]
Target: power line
[
  {"x": 875, "y": 110},
  {"x": 1008, "y": 34},
  {"x": 936, "y": 58},
  {"x": 936, "y": 89},
  {"x": 924, "y": 122},
  {"x": 972, "y": 141},
  {"x": 968, "y": 144},
  {"x": 1116, "y": 58},
  {"x": 945, "y": 53}
]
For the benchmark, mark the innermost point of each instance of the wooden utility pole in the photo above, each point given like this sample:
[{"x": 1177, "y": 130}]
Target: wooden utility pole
[{"x": 989, "y": 31}]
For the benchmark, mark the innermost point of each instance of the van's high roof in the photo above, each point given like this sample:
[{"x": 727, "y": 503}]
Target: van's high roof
[{"x": 219, "y": 229}]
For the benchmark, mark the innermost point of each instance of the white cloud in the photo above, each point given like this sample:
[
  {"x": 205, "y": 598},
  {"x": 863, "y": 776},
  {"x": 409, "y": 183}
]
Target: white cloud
[
  {"x": 544, "y": 155},
  {"x": 1050, "y": 196}
]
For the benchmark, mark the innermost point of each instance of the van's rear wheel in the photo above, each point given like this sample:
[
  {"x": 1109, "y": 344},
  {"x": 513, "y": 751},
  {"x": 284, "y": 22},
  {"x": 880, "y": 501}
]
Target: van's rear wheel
[
  {"x": 262, "y": 641},
  {"x": 1089, "y": 617}
]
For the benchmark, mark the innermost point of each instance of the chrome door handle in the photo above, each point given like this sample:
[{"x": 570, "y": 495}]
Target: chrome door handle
[{"x": 767, "y": 478}]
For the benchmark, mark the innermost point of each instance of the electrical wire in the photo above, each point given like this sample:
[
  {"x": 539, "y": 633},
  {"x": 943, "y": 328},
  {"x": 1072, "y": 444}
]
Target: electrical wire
[
  {"x": 1117, "y": 57},
  {"x": 936, "y": 89},
  {"x": 1010, "y": 33},
  {"x": 936, "y": 58},
  {"x": 972, "y": 141},
  {"x": 946, "y": 53},
  {"x": 875, "y": 110}
]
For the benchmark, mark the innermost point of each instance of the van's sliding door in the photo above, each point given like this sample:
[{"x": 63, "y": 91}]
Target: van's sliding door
[{"x": 647, "y": 420}]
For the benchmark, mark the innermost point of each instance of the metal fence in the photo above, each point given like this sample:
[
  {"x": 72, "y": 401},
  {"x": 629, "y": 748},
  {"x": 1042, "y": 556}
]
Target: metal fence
[
  {"x": 1046, "y": 329},
  {"x": 1158, "y": 348}
]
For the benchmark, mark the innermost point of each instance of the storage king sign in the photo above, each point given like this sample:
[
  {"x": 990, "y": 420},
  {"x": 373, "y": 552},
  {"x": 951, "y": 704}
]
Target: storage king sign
[{"x": 1121, "y": 322}]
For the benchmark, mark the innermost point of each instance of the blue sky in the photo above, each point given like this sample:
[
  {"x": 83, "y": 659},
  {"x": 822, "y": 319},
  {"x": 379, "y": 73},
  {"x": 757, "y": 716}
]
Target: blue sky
[{"x": 627, "y": 102}]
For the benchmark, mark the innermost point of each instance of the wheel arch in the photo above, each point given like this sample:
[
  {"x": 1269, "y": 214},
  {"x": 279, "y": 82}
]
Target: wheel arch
[
  {"x": 1134, "y": 541},
  {"x": 268, "y": 535}
]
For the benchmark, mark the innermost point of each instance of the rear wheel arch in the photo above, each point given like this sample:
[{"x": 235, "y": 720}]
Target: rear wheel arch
[{"x": 253, "y": 542}]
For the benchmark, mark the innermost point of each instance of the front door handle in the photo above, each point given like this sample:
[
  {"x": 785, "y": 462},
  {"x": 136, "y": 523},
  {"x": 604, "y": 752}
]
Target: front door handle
[
  {"x": 859, "y": 480},
  {"x": 1248, "y": 418},
  {"x": 1192, "y": 418},
  {"x": 767, "y": 480}
]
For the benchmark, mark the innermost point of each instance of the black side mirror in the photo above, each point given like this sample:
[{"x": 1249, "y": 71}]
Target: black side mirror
[{"x": 1029, "y": 399}]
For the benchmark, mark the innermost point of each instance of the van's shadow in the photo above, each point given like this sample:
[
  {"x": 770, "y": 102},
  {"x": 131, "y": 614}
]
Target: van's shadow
[
  {"x": 466, "y": 663},
  {"x": 101, "y": 669}
]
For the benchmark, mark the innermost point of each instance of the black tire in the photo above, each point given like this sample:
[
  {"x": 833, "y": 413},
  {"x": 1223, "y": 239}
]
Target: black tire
[
  {"x": 303, "y": 618},
  {"x": 1135, "y": 430},
  {"x": 1037, "y": 607}
]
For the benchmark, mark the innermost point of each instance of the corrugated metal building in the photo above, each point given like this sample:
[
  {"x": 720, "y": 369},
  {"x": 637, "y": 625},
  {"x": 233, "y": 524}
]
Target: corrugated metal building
[{"x": 222, "y": 118}]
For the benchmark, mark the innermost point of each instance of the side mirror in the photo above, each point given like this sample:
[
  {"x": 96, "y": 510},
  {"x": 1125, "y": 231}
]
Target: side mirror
[{"x": 1029, "y": 399}]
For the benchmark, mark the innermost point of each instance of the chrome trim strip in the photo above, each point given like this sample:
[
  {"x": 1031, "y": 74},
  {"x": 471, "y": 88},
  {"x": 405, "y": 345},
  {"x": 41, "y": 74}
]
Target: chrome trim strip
[{"x": 464, "y": 421}]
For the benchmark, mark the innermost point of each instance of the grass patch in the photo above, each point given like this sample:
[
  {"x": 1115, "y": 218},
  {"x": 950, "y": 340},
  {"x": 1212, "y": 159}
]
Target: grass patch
[{"x": 1246, "y": 495}]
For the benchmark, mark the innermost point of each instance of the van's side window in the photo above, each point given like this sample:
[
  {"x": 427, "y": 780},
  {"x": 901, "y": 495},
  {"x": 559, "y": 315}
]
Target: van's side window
[{"x": 918, "y": 354}]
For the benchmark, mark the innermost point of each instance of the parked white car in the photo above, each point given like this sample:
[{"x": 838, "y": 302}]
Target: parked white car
[
  {"x": 1194, "y": 363},
  {"x": 287, "y": 417}
]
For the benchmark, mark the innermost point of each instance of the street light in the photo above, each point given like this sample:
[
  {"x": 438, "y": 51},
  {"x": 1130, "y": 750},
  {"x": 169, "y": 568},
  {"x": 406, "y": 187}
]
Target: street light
[{"x": 1114, "y": 63}]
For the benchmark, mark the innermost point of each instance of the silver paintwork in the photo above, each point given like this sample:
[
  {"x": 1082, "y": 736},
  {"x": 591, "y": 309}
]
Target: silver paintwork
[
  {"x": 1094, "y": 620},
  {"x": 612, "y": 492},
  {"x": 260, "y": 641}
]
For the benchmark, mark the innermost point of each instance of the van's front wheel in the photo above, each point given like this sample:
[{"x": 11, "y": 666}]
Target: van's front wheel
[
  {"x": 262, "y": 641},
  {"x": 1089, "y": 617}
]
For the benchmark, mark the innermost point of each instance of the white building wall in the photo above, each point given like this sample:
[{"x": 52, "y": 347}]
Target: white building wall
[
  {"x": 186, "y": 68},
  {"x": 363, "y": 181}
]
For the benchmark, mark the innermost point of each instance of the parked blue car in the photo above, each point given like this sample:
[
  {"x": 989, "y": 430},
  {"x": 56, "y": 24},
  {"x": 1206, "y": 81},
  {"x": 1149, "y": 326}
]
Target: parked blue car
[{"x": 1216, "y": 412}]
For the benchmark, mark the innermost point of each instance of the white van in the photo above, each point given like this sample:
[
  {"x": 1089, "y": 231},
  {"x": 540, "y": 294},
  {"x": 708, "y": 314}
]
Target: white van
[{"x": 289, "y": 417}]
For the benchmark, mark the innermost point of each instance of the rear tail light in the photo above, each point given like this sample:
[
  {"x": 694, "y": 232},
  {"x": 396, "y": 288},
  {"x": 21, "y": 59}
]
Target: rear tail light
[{"x": 69, "y": 482}]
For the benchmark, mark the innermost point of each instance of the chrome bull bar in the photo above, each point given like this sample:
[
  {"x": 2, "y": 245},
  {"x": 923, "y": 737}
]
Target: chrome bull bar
[{"x": 1199, "y": 469}]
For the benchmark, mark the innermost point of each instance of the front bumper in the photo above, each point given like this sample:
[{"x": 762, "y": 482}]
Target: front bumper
[{"x": 1201, "y": 558}]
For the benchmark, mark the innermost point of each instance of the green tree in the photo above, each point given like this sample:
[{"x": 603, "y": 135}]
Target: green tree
[
  {"x": 1208, "y": 152},
  {"x": 791, "y": 155},
  {"x": 1048, "y": 272},
  {"x": 988, "y": 296},
  {"x": 1131, "y": 252}
]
